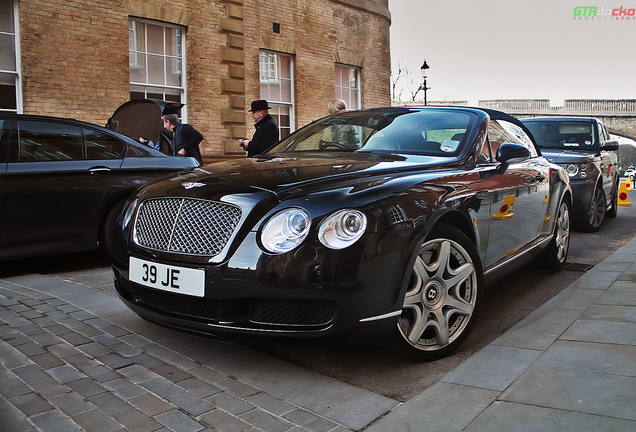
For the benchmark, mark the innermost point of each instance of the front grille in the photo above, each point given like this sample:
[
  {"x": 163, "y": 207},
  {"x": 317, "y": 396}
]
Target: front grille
[
  {"x": 247, "y": 313},
  {"x": 186, "y": 225}
]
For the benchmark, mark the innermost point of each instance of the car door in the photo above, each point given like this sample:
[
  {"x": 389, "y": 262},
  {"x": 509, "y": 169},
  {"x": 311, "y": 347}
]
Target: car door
[
  {"x": 609, "y": 160},
  {"x": 519, "y": 196},
  {"x": 54, "y": 187}
]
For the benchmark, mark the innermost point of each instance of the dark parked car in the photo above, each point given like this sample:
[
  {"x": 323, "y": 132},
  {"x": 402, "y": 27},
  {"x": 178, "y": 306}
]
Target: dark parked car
[
  {"x": 387, "y": 219},
  {"x": 63, "y": 182},
  {"x": 583, "y": 146}
]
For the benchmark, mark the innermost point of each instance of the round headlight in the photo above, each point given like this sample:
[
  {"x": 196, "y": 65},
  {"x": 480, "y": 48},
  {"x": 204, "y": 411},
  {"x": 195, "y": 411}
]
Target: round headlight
[
  {"x": 572, "y": 169},
  {"x": 342, "y": 229},
  {"x": 285, "y": 230}
]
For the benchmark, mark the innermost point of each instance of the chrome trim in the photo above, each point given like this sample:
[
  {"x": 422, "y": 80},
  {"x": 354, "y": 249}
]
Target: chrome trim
[{"x": 381, "y": 317}]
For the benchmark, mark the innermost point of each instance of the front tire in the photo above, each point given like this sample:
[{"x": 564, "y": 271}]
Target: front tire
[
  {"x": 596, "y": 213},
  {"x": 613, "y": 211},
  {"x": 443, "y": 296}
]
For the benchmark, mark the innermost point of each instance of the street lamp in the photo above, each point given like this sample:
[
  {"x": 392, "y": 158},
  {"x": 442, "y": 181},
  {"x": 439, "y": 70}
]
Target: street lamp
[{"x": 423, "y": 85}]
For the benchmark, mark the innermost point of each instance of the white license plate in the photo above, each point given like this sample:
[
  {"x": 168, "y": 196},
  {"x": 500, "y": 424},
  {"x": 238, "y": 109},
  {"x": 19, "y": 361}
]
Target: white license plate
[{"x": 171, "y": 278}]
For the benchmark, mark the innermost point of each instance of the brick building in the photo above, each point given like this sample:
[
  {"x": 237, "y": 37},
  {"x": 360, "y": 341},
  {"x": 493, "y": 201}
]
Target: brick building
[{"x": 83, "y": 58}]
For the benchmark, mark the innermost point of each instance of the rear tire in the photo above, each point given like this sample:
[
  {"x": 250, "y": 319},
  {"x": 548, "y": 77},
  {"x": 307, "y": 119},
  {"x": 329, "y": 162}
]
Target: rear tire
[
  {"x": 443, "y": 296},
  {"x": 556, "y": 253}
]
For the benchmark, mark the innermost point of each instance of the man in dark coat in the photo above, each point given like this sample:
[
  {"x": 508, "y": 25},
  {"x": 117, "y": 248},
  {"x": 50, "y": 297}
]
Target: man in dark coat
[
  {"x": 266, "y": 133},
  {"x": 185, "y": 138}
]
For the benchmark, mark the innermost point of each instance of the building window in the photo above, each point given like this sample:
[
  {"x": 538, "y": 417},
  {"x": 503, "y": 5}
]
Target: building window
[
  {"x": 348, "y": 85},
  {"x": 10, "y": 92},
  {"x": 156, "y": 61},
  {"x": 277, "y": 87}
]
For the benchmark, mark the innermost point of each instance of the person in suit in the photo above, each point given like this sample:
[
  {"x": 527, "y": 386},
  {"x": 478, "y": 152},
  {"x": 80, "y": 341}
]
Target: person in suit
[
  {"x": 266, "y": 134},
  {"x": 185, "y": 138}
]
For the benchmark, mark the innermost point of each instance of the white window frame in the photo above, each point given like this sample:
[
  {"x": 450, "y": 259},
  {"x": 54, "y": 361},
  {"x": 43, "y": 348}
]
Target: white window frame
[
  {"x": 271, "y": 76},
  {"x": 18, "y": 68},
  {"x": 343, "y": 89},
  {"x": 135, "y": 53}
]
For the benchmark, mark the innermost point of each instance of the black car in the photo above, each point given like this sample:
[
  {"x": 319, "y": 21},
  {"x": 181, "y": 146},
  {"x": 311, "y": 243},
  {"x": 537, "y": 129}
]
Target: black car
[
  {"x": 388, "y": 220},
  {"x": 64, "y": 182},
  {"x": 583, "y": 146}
]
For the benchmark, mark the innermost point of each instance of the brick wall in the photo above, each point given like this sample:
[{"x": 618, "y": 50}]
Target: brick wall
[{"x": 75, "y": 60}]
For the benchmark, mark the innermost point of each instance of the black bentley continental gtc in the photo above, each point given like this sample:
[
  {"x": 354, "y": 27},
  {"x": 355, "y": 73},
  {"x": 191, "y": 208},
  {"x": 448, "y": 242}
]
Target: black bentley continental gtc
[{"x": 390, "y": 220}]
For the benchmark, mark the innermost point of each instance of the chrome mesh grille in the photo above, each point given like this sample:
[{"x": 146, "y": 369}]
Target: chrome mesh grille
[{"x": 186, "y": 225}]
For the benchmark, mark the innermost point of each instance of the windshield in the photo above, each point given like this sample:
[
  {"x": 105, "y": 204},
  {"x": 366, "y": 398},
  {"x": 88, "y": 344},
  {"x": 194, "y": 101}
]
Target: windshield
[
  {"x": 570, "y": 135},
  {"x": 427, "y": 132}
]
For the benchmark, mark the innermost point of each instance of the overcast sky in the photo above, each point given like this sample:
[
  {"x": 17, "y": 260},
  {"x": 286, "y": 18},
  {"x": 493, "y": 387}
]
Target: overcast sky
[{"x": 514, "y": 49}]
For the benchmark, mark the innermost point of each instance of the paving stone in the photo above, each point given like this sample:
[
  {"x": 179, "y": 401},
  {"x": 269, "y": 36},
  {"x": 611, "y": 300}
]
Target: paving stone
[
  {"x": 115, "y": 330},
  {"x": 136, "y": 373},
  {"x": 150, "y": 404},
  {"x": 171, "y": 373},
  {"x": 124, "y": 350},
  {"x": 31, "y": 404},
  {"x": 86, "y": 387},
  {"x": 190, "y": 403},
  {"x": 229, "y": 403},
  {"x": 54, "y": 421},
  {"x": 574, "y": 390},
  {"x": 14, "y": 421},
  {"x": 13, "y": 387},
  {"x": 46, "y": 339},
  {"x": 110, "y": 403},
  {"x": 236, "y": 388},
  {"x": 30, "y": 373},
  {"x": 199, "y": 387},
  {"x": 161, "y": 387},
  {"x": 505, "y": 417},
  {"x": 95, "y": 421},
  {"x": 265, "y": 421},
  {"x": 156, "y": 350},
  {"x": 93, "y": 349},
  {"x": 65, "y": 374},
  {"x": 30, "y": 349},
  {"x": 49, "y": 388},
  {"x": 15, "y": 339},
  {"x": 114, "y": 361},
  {"x": 300, "y": 417},
  {"x": 136, "y": 420},
  {"x": 75, "y": 338},
  {"x": 124, "y": 388},
  {"x": 105, "y": 339},
  {"x": 208, "y": 375},
  {"x": 101, "y": 373},
  {"x": 47, "y": 360},
  {"x": 63, "y": 350},
  {"x": 602, "y": 332},
  {"x": 147, "y": 361},
  {"x": 181, "y": 361},
  {"x": 223, "y": 421},
  {"x": 179, "y": 422},
  {"x": 271, "y": 404}
]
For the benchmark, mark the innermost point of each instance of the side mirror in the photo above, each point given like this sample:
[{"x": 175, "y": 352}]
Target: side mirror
[
  {"x": 509, "y": 152},
  {"x": 610, "y": 145}
]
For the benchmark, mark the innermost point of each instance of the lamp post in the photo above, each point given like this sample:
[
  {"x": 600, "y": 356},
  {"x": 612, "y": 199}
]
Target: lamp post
[{"x": 423, "y": 85}]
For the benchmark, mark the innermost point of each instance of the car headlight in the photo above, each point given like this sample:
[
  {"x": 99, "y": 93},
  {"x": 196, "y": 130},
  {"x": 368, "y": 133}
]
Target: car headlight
[
  {"x": 577, "y": 170},
  {"x": 342, "y": 229},
  {"x": 285, "y": 230},
  {"x": 128, "y": 212}
]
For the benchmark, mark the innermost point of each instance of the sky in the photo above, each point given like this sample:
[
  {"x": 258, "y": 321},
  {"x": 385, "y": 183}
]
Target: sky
[{"x": 514, "y": 49}]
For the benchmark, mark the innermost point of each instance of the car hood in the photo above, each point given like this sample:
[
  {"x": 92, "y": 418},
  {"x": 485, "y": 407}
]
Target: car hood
[
  {"x": 285, "y": 176},
  {"x": 560, "y": 156}
]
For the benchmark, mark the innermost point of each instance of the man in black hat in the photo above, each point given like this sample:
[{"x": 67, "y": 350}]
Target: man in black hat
[{"x": 266, "y": 134}]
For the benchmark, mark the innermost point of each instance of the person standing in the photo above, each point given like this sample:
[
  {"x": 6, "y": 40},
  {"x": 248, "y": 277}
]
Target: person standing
[
  {"x": 185, "y": 138},
  {"x": 336, "y": 105},
  {"x": 266, "y": 134}
]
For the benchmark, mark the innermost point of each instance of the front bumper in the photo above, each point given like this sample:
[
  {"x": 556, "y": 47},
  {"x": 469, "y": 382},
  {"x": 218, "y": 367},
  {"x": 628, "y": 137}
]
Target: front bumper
[{"x": 309, "y": 292}]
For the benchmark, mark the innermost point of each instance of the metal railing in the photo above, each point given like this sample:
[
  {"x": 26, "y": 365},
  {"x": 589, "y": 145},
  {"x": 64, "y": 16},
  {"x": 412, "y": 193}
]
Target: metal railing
[{"x": 570, "y": 106}]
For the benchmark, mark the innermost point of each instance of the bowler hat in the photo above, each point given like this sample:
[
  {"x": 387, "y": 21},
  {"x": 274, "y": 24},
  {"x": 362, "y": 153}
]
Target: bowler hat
[{"x": 260, "y": 105}]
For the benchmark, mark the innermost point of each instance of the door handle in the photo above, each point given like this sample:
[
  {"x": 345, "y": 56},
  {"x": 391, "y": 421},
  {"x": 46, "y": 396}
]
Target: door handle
[{"x": 99, "y": 170}]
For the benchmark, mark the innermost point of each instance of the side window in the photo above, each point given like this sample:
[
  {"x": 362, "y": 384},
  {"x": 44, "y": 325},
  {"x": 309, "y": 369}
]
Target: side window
[
  {"x": 102, "y": 146},
  {"x": 47, "y": 141},
  {"x": 501, "y": 131}
]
